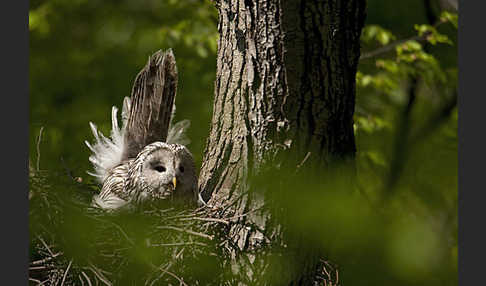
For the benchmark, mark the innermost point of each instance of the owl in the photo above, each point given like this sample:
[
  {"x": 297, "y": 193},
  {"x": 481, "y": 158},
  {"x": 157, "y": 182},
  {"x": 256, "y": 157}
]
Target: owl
[
  {"x": 160, "y": 171},
  {"x": 135, "y": 166}
]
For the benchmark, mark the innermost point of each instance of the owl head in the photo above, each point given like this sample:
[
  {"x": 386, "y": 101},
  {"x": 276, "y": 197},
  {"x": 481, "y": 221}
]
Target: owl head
[{"x": 163, "y": 171}]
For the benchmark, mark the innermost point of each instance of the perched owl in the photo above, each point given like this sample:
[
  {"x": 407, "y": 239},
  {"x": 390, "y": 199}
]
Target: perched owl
[{"x": 134, "y": 165}]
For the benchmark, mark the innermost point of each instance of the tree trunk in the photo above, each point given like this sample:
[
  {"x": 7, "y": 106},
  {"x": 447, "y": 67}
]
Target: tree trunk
[{"x": 284, "y": 95}]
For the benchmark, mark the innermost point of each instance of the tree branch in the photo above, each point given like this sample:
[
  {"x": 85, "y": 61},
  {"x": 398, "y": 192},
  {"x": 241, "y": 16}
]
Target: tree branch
[{"x": 391, "y": 46}]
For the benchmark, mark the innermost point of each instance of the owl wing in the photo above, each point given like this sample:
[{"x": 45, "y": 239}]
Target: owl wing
[
  {"x": 152, "y": 101},
  {"x": 146, "y": 117},
  {"x": 109, "y": 201},
  {"x": 113, "y": 195}
]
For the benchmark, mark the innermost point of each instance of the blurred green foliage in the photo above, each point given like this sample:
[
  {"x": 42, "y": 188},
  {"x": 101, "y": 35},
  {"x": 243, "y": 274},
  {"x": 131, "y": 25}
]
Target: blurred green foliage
[
  {"x": 85, "y": 54},
  {"x": 400, "y": 227},
  {"x": 406, "y": 133}
]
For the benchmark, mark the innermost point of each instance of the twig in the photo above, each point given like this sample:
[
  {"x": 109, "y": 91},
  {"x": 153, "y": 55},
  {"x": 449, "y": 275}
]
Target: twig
[
  {"x": 101, "y": 271},
  {"x": 303, "y": 161},
  {"x": 38, "y": 281},
  {"x": 163, "y": 272},
  {"x": 210, "y": 237},
  {"x": 391, "y": 46},
  {"x": 45, "y": 244},
  {"x": 87, "y": 278},
  {"x": 178, "y": 244},
  {"x": 99, "y": 275},
  {"x": 245, "y": 214},
  {"x": 207, "y": 219},
  {"x": 337, "y": 277},
  {"x": 81, "y": 279},
  {"x": 328, "y": 274},
  {"x": 37, "y": 262},
  {"x": 34, "y": 280},
  {"x": 175, "y": 276},
  {"x": 180, "y": 216},
  {"x": 179, "y": 254},
  {"x": 38, "y": 147},
  {"x": 37, "y": 268},
  {"x": 66, "y": 272}
]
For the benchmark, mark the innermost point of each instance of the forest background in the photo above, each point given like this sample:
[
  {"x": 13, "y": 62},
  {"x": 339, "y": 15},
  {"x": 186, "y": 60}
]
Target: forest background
[{"x": 85, "y": 54}]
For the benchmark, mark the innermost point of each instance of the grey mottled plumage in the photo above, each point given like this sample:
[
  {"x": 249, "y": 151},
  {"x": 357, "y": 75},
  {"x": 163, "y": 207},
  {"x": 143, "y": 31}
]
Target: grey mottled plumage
[
  {"x": 133, "y": 165},
  {"x": 160, "y": 171}
]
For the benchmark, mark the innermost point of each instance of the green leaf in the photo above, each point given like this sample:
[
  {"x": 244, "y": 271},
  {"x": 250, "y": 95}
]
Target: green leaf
[
  {"x": 38, "y": 20},
  {"x": 376, "y": 33},
  {"x": 449, "y": 17},
  {"x": 388, "y": 65},
  {"x": 432, "y": 35}
]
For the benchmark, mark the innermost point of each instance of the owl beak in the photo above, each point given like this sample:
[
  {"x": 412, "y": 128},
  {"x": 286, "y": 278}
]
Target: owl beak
[{"x": 174, "y": 181}]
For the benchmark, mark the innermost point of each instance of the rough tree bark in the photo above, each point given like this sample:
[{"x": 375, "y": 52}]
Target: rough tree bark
[{"x": 285, "y": 85}]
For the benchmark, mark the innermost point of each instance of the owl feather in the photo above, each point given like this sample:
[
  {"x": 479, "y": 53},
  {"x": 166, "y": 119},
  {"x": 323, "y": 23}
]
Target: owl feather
[
  {"x": 107, "y": 153},
  {"x": 134, "y": 164}
]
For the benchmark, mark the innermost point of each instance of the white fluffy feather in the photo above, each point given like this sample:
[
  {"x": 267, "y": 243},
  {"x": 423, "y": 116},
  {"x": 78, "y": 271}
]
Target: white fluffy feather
[
  {"x": 109, "y": 202},
  {"x": 177, "y": 131},
  {"x": 107, "y": 152}
]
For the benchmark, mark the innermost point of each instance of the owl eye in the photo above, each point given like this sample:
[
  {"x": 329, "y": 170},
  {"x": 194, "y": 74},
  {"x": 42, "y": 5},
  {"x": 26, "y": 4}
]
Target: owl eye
[
  {"x": 159, "y": 169},
  {"x": 181, "y": 168}
]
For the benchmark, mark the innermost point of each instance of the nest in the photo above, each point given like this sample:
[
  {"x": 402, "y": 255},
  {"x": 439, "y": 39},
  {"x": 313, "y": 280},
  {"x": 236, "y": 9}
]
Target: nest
[{"x": 74, "y": 244}]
